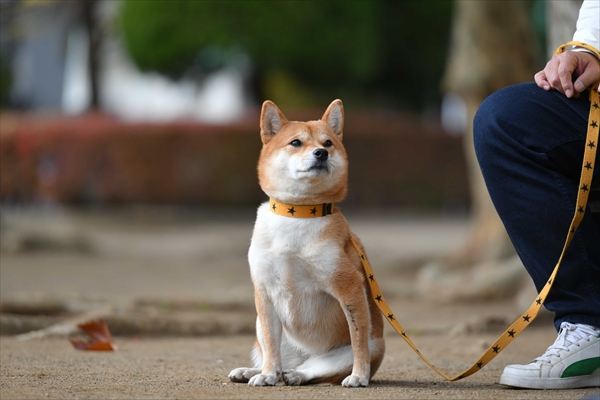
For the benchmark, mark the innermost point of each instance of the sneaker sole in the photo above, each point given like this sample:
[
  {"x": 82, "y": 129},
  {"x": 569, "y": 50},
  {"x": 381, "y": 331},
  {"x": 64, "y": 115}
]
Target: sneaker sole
[{"x": 574, "y": 382}]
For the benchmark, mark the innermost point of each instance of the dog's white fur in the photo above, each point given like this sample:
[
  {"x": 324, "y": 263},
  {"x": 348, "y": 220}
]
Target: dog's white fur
[{"x": 317, "y": 322}]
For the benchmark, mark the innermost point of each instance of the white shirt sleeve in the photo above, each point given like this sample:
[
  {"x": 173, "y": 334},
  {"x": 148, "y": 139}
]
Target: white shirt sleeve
[{"x": 588, "y": 24}]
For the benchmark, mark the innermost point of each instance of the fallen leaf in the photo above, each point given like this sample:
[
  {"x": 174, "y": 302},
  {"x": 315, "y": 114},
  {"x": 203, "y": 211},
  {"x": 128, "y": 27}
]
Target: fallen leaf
[{"x": 99, "y": 337}]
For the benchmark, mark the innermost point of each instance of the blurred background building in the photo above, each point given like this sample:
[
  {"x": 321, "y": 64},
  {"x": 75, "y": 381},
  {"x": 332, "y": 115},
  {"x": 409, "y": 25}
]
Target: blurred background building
[{"x": 67, "y": 57}]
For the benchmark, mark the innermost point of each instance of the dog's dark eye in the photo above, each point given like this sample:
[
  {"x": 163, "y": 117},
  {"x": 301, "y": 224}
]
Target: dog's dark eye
[
  {"x": 296, "y": 143},
  {"x": 327, "y": 143}
]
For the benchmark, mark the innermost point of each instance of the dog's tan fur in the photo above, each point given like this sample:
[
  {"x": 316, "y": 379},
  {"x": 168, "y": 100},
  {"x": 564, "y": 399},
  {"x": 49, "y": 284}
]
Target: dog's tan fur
[{"x": 317, "y": 321}]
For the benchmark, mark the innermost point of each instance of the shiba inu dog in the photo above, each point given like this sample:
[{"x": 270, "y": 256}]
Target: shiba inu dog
[{"x": 317, "y": 322}]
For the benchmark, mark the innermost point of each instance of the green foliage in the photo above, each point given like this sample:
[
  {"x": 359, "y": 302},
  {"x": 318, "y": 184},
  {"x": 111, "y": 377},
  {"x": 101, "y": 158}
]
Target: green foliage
[{"x": 380, "y": 49}]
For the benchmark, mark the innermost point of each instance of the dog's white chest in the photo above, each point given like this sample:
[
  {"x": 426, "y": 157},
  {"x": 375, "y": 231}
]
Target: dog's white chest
[
  {"x": 292, "y": 261},
  {"x": 291, "y": 247}
]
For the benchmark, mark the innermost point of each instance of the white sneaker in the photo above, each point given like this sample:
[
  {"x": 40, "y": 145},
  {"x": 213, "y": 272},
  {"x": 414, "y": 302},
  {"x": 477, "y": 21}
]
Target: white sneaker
[{"x": 573, "y": 361}]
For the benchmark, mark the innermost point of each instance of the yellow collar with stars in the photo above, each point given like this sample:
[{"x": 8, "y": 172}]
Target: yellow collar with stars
[{"x": 295, "y": 211}]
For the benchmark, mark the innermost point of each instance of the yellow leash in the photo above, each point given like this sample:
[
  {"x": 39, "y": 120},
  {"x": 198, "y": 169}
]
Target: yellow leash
[{"x": 528, "y": 316}]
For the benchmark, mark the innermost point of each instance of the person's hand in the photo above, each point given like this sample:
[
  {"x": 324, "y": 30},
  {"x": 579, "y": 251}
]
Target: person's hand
[{"x": 570, "y": 73}]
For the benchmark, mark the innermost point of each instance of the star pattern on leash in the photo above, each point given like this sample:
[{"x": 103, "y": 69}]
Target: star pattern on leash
[{"x": 303, "y": 211}]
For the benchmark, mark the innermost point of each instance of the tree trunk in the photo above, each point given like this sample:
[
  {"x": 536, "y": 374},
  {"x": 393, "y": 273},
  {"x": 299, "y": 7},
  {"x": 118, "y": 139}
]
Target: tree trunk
[
  {"x": 492, "y": 46},
  {"x": 561, "y": 20},
  {"x": 89, "y": 19}
]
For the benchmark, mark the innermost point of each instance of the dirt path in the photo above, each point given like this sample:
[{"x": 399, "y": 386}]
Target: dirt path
[
  {"x": 178, "y": 368},
  {"x": 177, "y": 284}
]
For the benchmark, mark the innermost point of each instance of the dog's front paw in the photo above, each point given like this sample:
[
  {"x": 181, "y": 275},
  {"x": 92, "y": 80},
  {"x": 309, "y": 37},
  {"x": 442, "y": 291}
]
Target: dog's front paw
[
  {"x": 263, "y": 380},
  {"x": 243, "y": 374},
  {"x": 355, "y": 381},
  {"x": 292, "y": 377}
]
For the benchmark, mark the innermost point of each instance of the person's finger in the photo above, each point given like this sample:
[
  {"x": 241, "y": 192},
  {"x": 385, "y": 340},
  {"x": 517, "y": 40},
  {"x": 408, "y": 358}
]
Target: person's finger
[
  {"x": 590, "y": 75},
  {"x": 551, "y": 73},
  {"x": 540, "y": 79},
  {"x": 565, "y": 75}
]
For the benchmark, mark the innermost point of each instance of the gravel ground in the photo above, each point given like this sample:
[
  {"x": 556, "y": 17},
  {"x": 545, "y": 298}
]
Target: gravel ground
[
  {"x": 197, "y": 260},
  {"x": 178, "y": 368}
]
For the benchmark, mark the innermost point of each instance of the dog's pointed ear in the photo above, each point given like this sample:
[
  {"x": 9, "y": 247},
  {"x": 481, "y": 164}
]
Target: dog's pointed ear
[
  {"x": 271, "y": 121},
  {"x": 334, "y": 117}
]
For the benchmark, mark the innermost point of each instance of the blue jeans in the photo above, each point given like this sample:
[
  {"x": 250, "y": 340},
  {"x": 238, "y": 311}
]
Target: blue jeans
[{"x": 529, "y": 144}]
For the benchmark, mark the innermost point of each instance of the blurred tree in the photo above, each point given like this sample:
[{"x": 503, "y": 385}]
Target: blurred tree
[
  {"x": 394, "y": 50},
  {"x": 87, "y": 15},
  {"x": 493, "y": 46},
  {"x": 562, "y": 20},
  {"x": 5, "y": 84}
]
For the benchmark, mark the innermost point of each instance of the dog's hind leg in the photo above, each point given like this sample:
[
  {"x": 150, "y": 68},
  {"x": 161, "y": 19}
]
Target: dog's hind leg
[{"x": 332, "y": 367}]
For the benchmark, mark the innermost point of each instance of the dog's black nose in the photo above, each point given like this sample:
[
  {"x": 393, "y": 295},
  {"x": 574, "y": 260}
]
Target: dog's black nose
[{"x": 321, "y": 154}]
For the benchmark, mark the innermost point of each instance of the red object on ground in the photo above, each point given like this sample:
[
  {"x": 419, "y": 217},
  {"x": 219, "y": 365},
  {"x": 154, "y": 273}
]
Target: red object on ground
[{"x": 99, "y": 337}]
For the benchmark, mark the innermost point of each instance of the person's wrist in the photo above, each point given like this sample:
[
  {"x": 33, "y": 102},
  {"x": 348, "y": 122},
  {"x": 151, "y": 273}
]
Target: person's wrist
[{"x": 584, "y": 50}]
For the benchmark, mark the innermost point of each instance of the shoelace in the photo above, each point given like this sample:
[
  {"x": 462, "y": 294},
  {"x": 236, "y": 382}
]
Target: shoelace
[{"x": 569, "y": 334}]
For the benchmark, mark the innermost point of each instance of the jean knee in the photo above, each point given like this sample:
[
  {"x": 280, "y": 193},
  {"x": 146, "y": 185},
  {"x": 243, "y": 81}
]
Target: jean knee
[
  {"x": 498, "y": 119},
  {"x": 485, "y": 128}
]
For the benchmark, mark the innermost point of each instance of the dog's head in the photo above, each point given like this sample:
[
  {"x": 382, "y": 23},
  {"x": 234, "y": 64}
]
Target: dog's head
[{"x": 303, "y": 162}]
